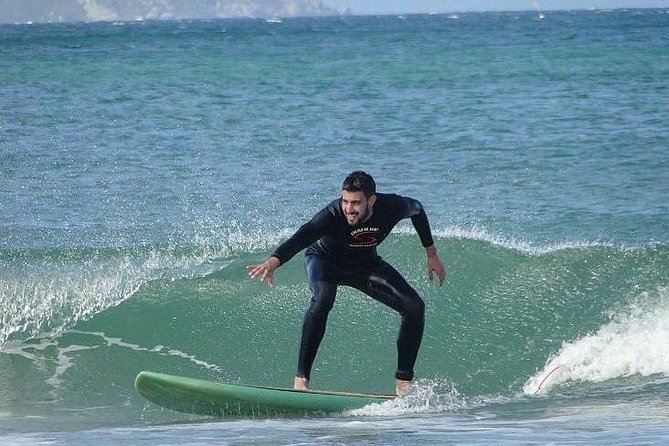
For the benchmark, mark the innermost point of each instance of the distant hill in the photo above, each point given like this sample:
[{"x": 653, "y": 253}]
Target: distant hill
[{"x": 36, "y": 11}]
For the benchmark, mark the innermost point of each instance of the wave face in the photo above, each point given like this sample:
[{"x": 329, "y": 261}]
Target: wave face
[{"x": 510, "y": 320}]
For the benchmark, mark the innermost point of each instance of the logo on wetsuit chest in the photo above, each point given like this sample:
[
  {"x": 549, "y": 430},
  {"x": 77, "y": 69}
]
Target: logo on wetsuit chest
[{"x": 364, "y": 237}]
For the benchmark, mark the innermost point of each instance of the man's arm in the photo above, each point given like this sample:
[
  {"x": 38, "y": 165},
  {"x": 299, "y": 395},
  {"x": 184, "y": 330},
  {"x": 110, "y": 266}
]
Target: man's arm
[
  {"x": 422, "y": 225},
  {"x": 305, "y": 236},
  {"x": 414, "y": 210}
]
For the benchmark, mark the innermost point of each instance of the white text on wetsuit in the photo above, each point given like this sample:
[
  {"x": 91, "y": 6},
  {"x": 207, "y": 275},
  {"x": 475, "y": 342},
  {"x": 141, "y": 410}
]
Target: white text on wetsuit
[{"x": 364, "y": 237}]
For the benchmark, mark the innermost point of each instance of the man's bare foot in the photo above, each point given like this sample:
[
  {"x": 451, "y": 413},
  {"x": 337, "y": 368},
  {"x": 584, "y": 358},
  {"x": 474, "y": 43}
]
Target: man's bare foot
[
  {"x": 300, "y": 383},
  {"x": 401, "y": 387}
]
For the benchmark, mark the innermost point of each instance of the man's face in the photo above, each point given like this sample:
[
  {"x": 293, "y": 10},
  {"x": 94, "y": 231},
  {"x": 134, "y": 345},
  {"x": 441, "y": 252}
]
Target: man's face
[{"x": 357, "y": 208}]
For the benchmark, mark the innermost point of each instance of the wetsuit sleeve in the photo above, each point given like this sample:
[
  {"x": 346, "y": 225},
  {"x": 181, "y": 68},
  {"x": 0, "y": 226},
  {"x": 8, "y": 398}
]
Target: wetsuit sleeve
[
  {"x": 420, "y": 222},
  {"x": 305, "y": 236}
]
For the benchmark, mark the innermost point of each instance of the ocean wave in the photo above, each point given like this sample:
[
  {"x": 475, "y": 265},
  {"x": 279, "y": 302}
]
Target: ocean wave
[
  {"x": 506, "y": 324},
  {"x": 504, "y": 309},
  {"x": 48, "y": 291},
  {"x": 632, "y": 343},
  {"x": 53, "y": 289}
]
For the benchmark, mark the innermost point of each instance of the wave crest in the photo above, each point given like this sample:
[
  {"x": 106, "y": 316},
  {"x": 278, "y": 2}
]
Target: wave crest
[{"x": 632, "y": 343}]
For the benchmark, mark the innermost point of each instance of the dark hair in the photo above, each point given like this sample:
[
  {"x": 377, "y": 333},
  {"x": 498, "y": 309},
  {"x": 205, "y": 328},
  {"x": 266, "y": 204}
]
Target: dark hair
[{"x": 360, "y": 181}]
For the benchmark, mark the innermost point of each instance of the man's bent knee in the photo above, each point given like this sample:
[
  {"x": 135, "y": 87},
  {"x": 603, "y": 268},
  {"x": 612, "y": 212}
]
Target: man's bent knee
[
  {"x": 322, "y": 299},
  {"x": 414, "y": 309}
]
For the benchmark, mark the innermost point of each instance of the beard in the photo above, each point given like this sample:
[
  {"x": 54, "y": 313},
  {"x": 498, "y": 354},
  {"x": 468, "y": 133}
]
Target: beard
[{"x": 358, "y": 217}]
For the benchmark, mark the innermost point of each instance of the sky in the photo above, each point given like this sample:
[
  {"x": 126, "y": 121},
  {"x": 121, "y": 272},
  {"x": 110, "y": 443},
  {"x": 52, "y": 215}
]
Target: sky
[{"x": 422, "y": 6}]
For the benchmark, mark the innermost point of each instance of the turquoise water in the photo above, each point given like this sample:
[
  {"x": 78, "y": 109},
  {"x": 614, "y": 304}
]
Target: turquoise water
[{"x": 143, "y": 165}]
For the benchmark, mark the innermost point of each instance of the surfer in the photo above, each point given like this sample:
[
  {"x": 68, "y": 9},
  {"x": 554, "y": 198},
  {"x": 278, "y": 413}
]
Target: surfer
[{"x": 340, "y": 242}]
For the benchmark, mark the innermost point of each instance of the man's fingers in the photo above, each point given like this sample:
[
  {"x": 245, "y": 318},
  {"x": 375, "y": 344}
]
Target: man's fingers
[
  {"x": 268, "y": 277},
  {"x": 442, "y": 276},
  {"x": 254, "y": 270},
  {"x": 438, "y": 269},
  {"x": 265, "y": 272}
]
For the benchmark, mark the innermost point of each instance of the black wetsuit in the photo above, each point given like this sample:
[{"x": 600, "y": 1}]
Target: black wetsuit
[{"x": 341, "y": 254}]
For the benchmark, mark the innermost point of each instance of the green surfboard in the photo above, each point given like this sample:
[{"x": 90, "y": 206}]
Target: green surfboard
[{"x": 228, "y": 400}]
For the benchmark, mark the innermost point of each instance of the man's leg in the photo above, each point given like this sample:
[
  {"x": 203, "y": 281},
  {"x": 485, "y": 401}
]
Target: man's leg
[
  {"x": 387, "y": 286},
  {"x": 323, "y": 278}
]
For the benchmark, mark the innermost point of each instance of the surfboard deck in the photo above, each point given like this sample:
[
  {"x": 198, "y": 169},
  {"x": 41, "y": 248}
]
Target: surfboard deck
[{"x": 202, "y": 397}]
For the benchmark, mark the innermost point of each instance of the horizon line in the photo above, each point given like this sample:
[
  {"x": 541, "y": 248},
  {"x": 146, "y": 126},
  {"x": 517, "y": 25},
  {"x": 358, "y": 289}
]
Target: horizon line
[{"x": 348, "y": 13}]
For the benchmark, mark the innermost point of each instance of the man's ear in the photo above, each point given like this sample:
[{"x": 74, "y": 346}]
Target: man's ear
[{"x": 372, "y": 200}]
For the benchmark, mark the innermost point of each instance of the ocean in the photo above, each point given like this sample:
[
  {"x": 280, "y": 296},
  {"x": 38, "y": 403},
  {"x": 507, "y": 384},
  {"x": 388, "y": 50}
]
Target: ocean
[{"x": 144, "y": 165}]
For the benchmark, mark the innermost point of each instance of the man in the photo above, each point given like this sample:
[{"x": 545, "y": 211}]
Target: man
[{"x": 341, "y": 243}]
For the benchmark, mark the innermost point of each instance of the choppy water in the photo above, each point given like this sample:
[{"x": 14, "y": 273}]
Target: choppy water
[{"x": 144, "y": 165}]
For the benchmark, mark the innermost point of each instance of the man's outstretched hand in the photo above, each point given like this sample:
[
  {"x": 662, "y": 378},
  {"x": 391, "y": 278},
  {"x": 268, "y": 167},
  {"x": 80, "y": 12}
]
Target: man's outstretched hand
[
  {"x": 434, "y": 265},
  {"x": 265, "y": 270}
]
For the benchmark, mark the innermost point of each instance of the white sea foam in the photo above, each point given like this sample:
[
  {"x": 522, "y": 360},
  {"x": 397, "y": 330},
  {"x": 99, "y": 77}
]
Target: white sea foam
[
  {"x": 53, "y": 296},
  {"x": 481, "y": 234},
  {"x": 424, "y": 396},
  {"x": 62, "y": 360},
  {"x": 633, "y": 343}
]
